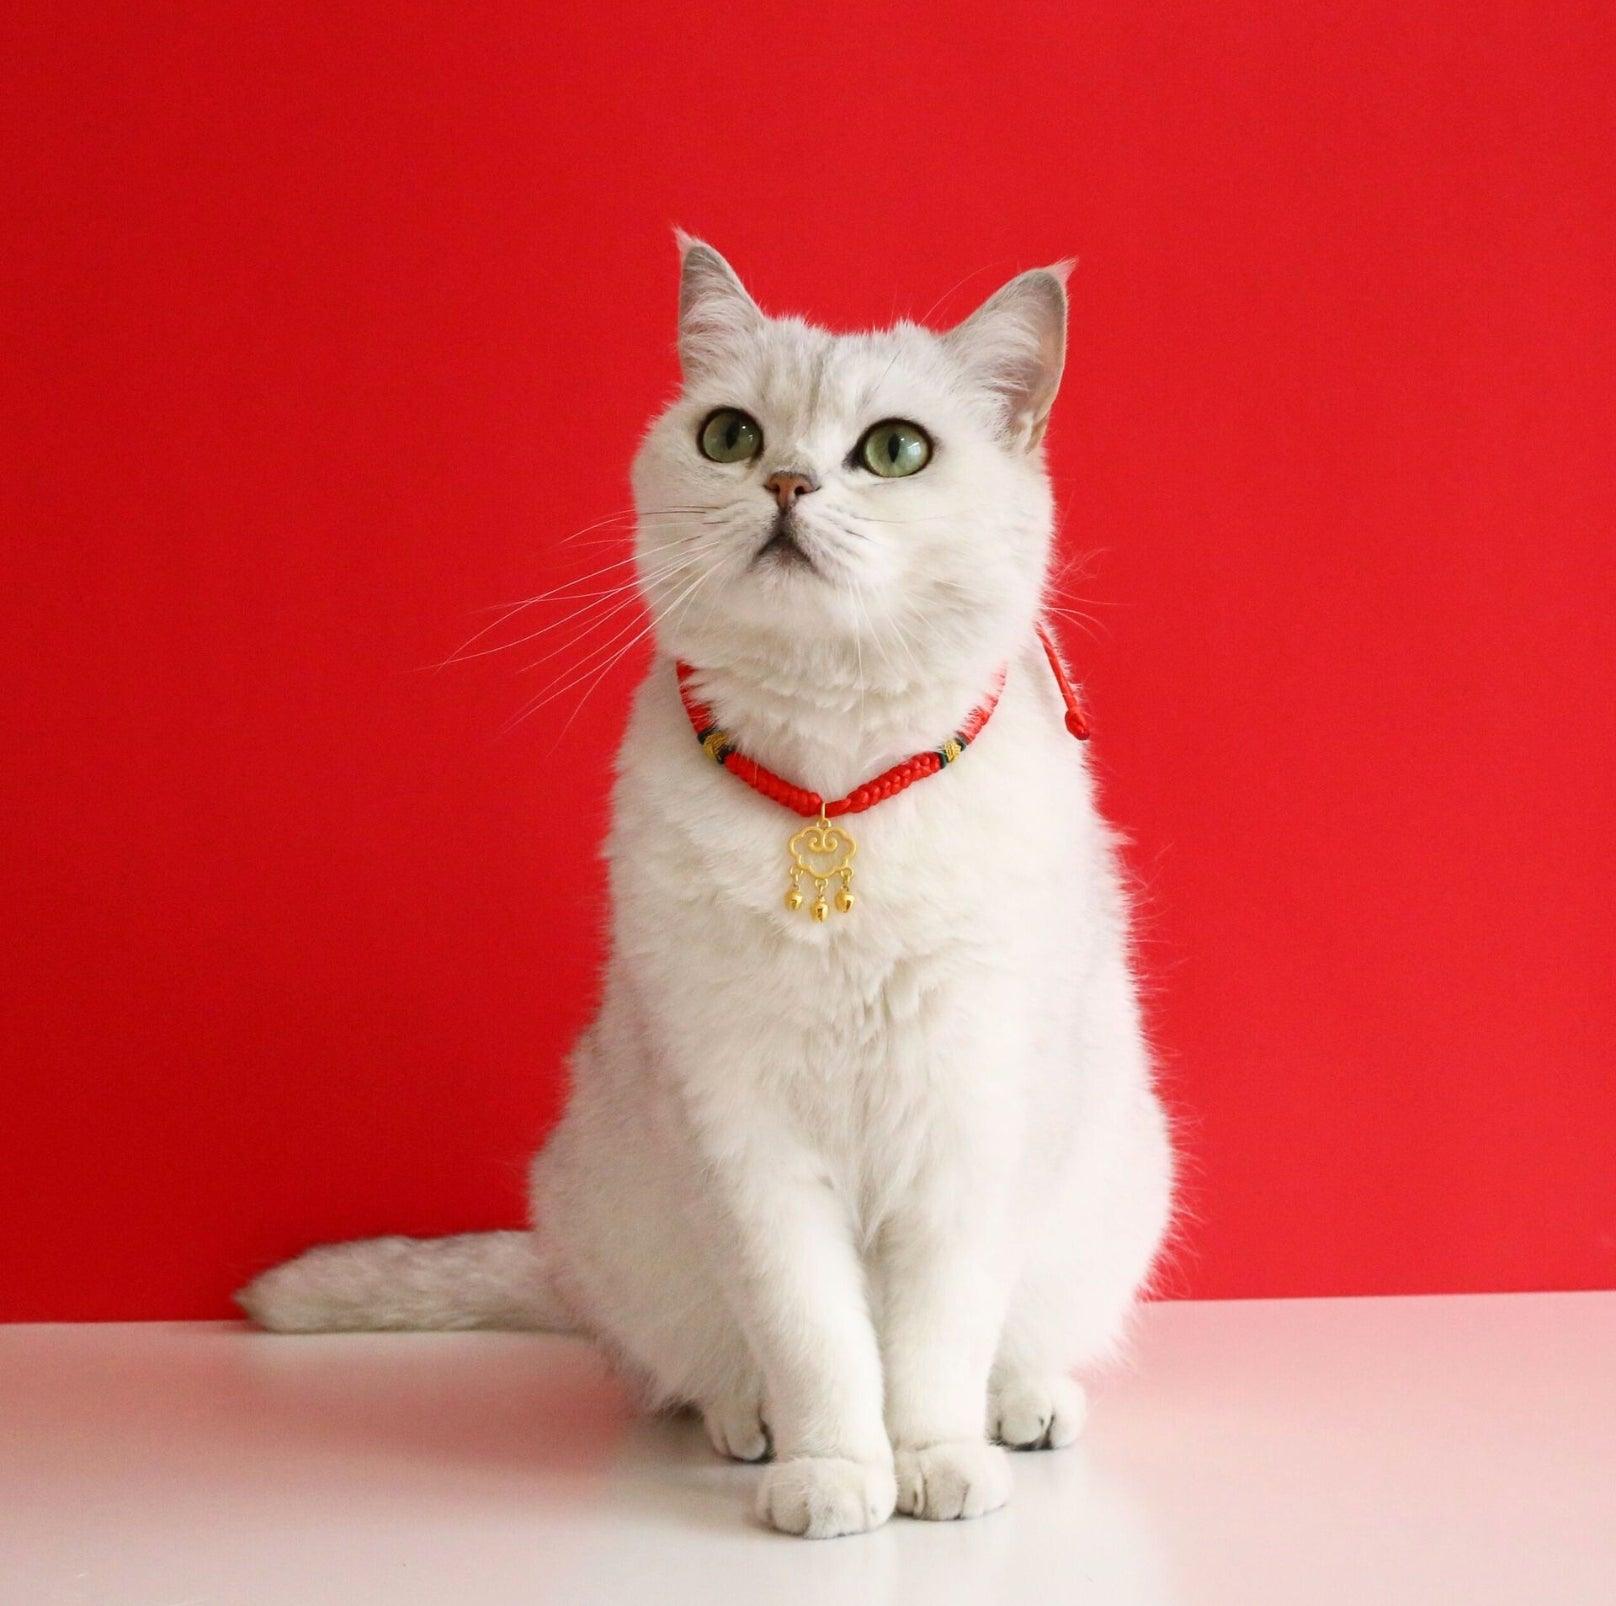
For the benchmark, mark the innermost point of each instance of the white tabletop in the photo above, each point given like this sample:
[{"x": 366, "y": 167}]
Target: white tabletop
[{"x": 1375, "y": 1452}]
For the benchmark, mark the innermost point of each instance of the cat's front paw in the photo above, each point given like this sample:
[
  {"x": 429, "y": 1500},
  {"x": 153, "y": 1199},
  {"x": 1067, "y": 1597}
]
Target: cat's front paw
[
  {"x": 823, "y": 1497},
  {"x": 955, "y": 1478}
]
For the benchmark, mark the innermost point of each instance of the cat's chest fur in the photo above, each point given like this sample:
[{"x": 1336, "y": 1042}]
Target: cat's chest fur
[
  {"x": 973, "y": 887},
  {"x": 948, "y": 871}
]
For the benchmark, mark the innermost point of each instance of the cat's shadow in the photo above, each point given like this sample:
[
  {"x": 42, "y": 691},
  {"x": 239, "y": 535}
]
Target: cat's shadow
[
  {"x": 536, "y": 1431},
  {"x": 514, "y": 1416}
]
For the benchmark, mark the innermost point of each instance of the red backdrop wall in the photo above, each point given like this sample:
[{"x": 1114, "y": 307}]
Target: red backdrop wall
[{"x": 328, "y": 323}]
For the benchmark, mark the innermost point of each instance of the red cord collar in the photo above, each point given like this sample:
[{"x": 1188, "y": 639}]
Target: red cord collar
[{"x": 890, "y": 782}]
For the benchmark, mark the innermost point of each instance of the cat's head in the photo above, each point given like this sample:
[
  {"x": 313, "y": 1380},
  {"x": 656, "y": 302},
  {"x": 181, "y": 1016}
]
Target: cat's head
[{"x": 812, "y": 497}]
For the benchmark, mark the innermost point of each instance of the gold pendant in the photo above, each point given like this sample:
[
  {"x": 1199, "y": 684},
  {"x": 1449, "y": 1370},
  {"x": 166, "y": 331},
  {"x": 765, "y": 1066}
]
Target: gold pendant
[{"x": 822, "y": 853}]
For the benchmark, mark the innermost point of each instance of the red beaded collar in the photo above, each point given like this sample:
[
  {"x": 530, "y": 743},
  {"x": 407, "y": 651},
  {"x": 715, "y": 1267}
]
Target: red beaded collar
[{"x": 822, "y": 853}]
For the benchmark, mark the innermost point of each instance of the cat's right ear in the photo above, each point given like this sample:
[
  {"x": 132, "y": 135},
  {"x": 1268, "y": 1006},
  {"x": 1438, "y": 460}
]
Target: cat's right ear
[
  {"x": 1015, "y": 345},
  {"x": 715, "y": 312}
]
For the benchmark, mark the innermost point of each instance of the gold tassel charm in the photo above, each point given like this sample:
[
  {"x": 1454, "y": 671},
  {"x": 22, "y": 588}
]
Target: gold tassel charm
[
  {"x": 821, "y": 869},
  {"x": 822, "y": 855}
]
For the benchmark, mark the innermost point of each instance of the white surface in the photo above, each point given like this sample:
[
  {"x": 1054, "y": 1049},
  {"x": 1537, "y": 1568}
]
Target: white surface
[{"x": 1312, "y": 1452}]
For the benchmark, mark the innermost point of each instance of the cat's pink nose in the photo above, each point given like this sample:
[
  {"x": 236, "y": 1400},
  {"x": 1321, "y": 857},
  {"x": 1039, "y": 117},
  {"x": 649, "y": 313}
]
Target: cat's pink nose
[{"x": 787, "y": 487}]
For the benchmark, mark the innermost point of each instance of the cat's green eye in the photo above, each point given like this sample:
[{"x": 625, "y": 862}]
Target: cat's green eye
[
  {"x": 894, "y": 448},
  {"x": 730, "y": 436}
]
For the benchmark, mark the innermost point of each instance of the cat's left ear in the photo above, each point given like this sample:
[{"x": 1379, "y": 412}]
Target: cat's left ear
[{"x": 1015, "y": 345}]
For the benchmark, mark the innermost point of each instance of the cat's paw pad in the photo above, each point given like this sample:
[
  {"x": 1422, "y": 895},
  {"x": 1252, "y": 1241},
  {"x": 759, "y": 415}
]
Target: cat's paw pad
[
  {"x": 822, "y": 1497},
  {"x": 1041, "y": 1414},
  {"x": 737, "y": 1429},
  {"x": 956, "y": 1478}
]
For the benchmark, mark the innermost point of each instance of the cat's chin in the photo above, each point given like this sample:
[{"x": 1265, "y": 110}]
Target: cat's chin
[
  {"x": 781, "y": 570},
  {"x": 782, "y": 553},
  {"x": 791, "y": 605},
  {"x": 783, "y": 625}
]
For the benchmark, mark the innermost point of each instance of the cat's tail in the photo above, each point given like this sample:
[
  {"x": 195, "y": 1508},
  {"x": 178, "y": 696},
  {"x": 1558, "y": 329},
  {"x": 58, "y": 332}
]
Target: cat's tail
[{"x": 478, "y": 1279}]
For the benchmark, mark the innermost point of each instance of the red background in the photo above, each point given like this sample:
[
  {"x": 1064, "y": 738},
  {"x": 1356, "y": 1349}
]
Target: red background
[{"x": 328, "y": 323}]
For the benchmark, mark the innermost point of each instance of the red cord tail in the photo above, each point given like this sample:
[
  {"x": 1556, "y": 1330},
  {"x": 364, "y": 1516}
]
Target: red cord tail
[{"x": 1077, "y": 722}]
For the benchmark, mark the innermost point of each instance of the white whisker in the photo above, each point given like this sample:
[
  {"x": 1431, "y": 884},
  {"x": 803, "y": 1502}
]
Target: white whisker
[
  {"x": 569, "y": 679},
  {"x": 629, "y": 588}
]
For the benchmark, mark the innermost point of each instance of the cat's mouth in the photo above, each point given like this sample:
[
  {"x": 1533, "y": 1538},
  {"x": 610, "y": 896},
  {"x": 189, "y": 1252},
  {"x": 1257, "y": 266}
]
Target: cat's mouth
[{"x": 783, "y": 548}]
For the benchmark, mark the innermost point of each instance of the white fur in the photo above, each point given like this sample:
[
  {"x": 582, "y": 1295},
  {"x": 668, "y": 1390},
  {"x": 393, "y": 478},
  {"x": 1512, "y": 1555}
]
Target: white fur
[{"x": 869, "y": 1188}]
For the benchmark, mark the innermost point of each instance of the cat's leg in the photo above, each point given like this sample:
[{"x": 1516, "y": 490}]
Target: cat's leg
[
  {"x": 1056, "y": 1319},
  {"x": 1033, "y": 1401},
  {"x": 942, "y": 1303},
  {"x": 740, "y": 1285},
  {"x": 1086, "y": 1262},
  {"x": 703, "y": 1242},
  {"x": 772, "y": 1232},
  {"x": 799, "y": 1286},
  {"x": 632, "y": 1266},
  {"x": 945, "y": 1265}
]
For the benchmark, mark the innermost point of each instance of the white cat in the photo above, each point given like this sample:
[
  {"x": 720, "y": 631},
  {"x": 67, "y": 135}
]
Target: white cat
[{"x": 863, "y": 1189}]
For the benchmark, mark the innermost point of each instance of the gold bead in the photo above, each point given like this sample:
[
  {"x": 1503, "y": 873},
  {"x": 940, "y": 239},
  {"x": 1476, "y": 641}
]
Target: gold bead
[
  {"x": 844, "y": 901},
  {"x": 821, "y": 909},
  {"x": 793, "y": 899}
]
